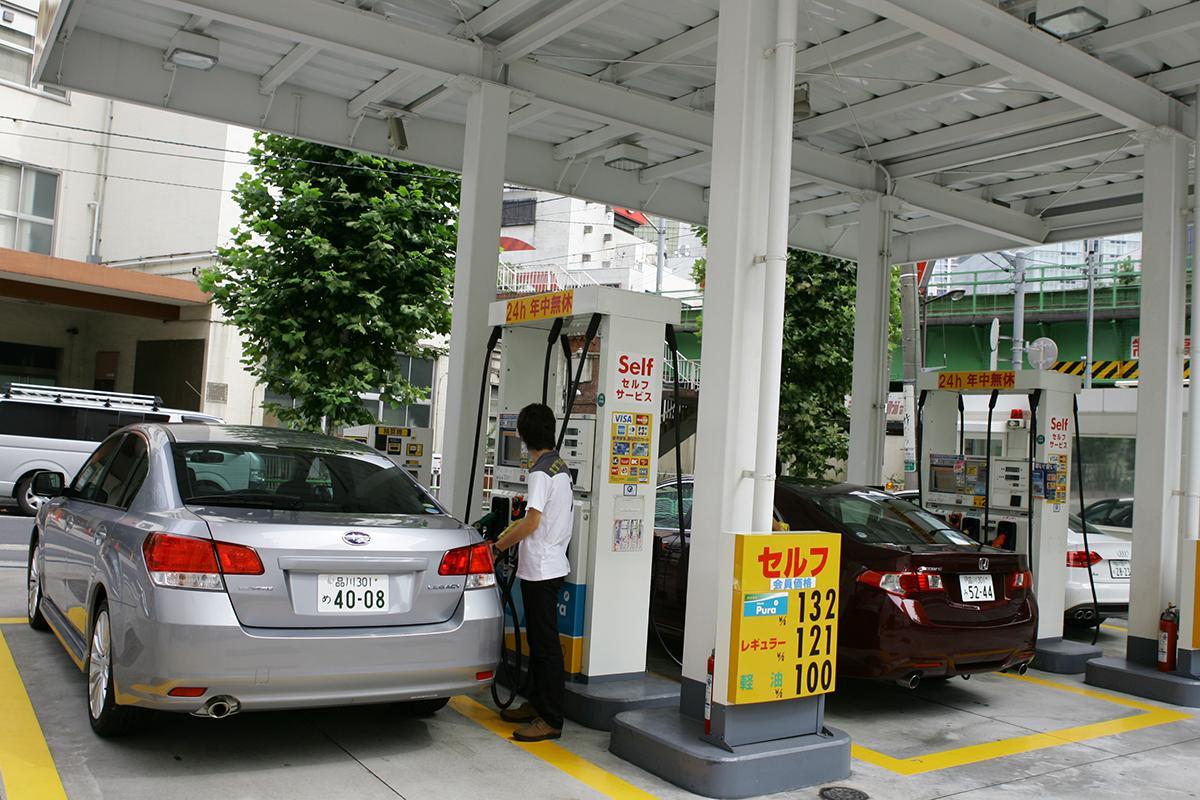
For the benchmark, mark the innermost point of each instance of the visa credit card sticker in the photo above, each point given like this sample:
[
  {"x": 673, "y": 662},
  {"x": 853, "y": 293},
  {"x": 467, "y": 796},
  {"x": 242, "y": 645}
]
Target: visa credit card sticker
[{"x": 765, "y": 605}]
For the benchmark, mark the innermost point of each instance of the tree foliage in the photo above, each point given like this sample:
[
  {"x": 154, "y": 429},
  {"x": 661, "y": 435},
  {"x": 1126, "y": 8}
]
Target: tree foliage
[
  {"x": 818, "y": 360},
  {"x": 341, "y": 262}
]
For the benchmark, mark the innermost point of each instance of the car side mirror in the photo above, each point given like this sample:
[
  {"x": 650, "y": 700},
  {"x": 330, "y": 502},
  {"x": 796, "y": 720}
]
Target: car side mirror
[{"x": 48, "y": 484}]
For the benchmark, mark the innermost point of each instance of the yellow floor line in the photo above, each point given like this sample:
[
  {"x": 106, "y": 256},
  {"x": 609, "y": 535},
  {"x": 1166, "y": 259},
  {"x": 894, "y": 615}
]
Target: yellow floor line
[
  {"x": 1114, "y": 627},
  {"x": 27, "y": 770},
  {"x": 556, "y": 755},
  {"x": 961, "y": 756},
  {"x": 13, "y": 620}
]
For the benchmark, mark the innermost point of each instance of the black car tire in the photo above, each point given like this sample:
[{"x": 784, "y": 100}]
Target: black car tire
[
  {"x": 33, "y": 580},
  {"x": 23, "y": 489},
  {"x": 424, "y": 708},
  {"x": 106, "y": 717}
]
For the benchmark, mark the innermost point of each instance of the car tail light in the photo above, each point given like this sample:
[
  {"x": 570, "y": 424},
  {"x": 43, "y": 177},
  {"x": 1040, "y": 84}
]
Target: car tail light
[
  {"x": 474, "y": 561},
  {"x": 484, "y": 676},
  {"x": 237, "y": 559},
  {"x": 903, "y": 584},
  {"x": 1083, "y": 558},
  {"x": 185, "y": 562},
  {"x": 1020, "y": 580},
  {"x": 181, "y": 561},
  {"x": 188, "y": 691}
]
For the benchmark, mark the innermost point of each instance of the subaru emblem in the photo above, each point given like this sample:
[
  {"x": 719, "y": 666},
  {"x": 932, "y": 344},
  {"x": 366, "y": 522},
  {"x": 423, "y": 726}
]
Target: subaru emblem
[
  {"x": 356, "y": 537},
  {"x": 983, "y": 562}
]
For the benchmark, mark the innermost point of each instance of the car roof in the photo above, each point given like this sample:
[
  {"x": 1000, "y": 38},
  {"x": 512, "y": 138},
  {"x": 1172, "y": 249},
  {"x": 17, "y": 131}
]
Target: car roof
[{"x": 191, "y": 433}]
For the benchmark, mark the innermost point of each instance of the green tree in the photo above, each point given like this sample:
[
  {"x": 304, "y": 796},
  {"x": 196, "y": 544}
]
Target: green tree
[
  {"x": 341, "y": 262},
  {"x": 818, "y": 356}
]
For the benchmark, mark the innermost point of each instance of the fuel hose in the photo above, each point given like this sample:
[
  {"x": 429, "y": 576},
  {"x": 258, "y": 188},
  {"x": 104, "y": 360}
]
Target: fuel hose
[
  {"x": 1087, "y": 548},
  {"x": 987, "y": 477},
  {"x": 684, "y": 545}
]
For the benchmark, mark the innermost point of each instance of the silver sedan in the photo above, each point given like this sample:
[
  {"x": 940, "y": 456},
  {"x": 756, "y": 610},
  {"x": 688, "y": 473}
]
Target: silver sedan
[{"x": 213, "y": 569}]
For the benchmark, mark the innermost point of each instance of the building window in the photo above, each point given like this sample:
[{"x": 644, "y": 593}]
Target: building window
[
  {"x": 419, "y": 372},
  {"x": 586, "y": 257},
  {"x": 608, "y": 237},
  {"x": 605, "y": 265},
  {"x": 28, "y": 198},
  {"x": 518, "y": 212},
  {"x": 16, "y": 50},
  {"x": 587, "y": 229}
]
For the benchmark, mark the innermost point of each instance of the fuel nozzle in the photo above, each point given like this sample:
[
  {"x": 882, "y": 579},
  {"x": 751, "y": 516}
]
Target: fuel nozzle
[
  {"x": 491, "y": 525},
  {"x": 518, "y": 507}
]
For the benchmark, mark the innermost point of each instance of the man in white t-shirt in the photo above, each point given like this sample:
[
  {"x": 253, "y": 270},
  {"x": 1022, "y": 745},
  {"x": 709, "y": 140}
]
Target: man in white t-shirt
[{"x": 543, "y": 535}]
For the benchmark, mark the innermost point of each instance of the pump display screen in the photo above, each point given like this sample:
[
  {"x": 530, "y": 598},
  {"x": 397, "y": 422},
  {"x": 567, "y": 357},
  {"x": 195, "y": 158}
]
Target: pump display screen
[
  {"x": 512, "y": 451},
  {"x": 943, "y": 479}
]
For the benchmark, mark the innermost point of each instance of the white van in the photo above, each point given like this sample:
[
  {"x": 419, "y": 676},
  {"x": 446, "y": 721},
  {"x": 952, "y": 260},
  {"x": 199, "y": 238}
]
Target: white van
[{"x": 55, "y": 428}]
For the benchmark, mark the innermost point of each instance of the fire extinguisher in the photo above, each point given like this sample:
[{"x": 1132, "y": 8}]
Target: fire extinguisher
[
  {"x": 708, "y": 689},
  {"x": 1168, "y": 638}
]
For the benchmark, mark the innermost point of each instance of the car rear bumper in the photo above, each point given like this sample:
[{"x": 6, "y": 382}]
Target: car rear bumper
[
  {"x": 898, "y": 646},
  {"x": 1112, "y": 597},
  {"x": 193, "y": 639}
]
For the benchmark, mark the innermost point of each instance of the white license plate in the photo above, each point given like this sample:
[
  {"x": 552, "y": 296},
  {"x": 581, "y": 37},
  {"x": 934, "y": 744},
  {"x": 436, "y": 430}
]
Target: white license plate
[
  {"x": 1119, "y": 569},
  {"x": 976, "y": 588},
  {"x": 352, "y": 594}
]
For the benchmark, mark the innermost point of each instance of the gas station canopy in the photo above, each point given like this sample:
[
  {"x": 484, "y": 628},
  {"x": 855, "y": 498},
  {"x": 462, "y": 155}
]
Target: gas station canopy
[{"x": 985, "y": 131}]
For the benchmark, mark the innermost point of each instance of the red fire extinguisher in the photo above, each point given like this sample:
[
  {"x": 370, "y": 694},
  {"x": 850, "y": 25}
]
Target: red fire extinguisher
[
  {"x": 1168, "y": 638},
  {"x": 708, "y": 689}
]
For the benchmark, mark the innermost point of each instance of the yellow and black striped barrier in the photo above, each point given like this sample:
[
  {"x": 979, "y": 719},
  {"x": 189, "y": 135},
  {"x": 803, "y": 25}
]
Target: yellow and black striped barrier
[{"x": 1110, "y": 371}]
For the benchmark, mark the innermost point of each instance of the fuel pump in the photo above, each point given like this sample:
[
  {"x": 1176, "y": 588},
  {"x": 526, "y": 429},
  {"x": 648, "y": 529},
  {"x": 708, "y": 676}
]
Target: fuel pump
[
  {"x": 1013, "y": 496},
  {"x": 595, "y": 356}
]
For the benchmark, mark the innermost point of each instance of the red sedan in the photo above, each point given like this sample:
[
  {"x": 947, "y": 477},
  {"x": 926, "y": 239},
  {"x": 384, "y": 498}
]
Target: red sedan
[{"x": 918, "y": 599}]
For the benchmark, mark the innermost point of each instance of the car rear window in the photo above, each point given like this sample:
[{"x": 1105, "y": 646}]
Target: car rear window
[
  {"x": 878, "y": 518},
  {"x": 295, "y": 478}
]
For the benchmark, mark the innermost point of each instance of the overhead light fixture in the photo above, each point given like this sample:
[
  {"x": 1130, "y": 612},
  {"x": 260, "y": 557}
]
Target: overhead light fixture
[
  {"x": 397, "y": 136},
  {"x": 801, "y": 108},
  {"x": 626, "y": 157},
  {"x": 1067, "y": 19},
  {"x": 193, "y": 50}
]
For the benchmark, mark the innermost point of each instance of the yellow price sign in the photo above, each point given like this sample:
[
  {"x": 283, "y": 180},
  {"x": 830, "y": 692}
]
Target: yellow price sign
[
  {"x": 539, "y": 306},
  {"x": 979, "y": 501},
  {"x": 783, "y": 636}
]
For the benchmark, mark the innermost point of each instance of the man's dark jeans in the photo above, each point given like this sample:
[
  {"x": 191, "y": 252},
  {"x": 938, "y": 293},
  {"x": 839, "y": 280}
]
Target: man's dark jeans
[{"x": 540, "y": 599}]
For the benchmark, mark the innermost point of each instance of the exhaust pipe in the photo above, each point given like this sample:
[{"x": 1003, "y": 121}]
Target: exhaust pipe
[
  {"x": 219, "y": 708},
  {"x": 1022, "y": 668},
  {"x": 912, "y": 681}
]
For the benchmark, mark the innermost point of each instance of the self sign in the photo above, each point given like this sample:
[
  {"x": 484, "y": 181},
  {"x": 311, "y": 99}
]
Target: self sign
[{"x": 635, "y": 381}]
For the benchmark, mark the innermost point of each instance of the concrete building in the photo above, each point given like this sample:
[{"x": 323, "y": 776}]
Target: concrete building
[
  {"x": 550, "y": 240},
  {"x": 90, "y": 186}
]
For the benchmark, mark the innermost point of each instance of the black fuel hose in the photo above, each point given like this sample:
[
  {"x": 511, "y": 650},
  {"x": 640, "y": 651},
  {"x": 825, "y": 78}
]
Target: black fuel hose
[
  {"x": 962, "y": 427},
  {"x": 920, "y": 440},
  {"x": 684, "y": 545},
  {"x": 509, "y": 670},
  {"x": 1087, "y": 548},
  {"x": 1035, "y": 400},
  {"x": 484, "y": 383},
  {"x": 550, "y": 340},
  {"x": 592, "y": 329},
  {"x": 987, "y": 476}
]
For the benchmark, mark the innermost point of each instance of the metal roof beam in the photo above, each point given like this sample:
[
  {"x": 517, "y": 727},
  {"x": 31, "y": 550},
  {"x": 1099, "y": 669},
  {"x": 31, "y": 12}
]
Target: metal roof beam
[
  {"x": 970, "y": 211},
  {"x": 550, "y": 27},
  {"x": 379, "y": 91},
  {"x": 684, "y": 44},
  {"x": 494, "y": 16},
  {"x": 986, "y": 32},
  {"x": 668, "y": 169},
  {"x": 1076, "y": 197},
  {"x": 899, "y": 100},
  {"x": 1010, "y": 145},
  {"x": 527, "y": 115},
  {"x": 1089, "y": 148},
  {"x": 1057, "y": 180},
  {"x": 287, "y": 66}
]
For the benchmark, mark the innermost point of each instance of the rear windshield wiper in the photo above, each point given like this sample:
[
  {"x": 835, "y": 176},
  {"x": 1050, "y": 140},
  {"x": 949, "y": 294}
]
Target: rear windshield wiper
[{"x": 237, "y": 499}]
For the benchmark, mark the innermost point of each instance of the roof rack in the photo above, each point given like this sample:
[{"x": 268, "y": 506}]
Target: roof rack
[{"x": 61, "y": 395}]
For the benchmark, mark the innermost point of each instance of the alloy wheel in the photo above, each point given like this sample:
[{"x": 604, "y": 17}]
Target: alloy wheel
[
  {"x": 34, "y": 588},
  {"x": 99, "y": 665}
]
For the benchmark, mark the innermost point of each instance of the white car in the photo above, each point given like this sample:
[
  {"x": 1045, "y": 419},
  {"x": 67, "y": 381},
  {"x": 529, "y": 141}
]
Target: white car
[
  {"x": 55, "y": 429},
  {"x": 1108, "y": 557}
]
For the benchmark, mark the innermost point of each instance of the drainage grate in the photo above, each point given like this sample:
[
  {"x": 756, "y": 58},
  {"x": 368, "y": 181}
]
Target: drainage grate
[{"x": 843, "y": 793}]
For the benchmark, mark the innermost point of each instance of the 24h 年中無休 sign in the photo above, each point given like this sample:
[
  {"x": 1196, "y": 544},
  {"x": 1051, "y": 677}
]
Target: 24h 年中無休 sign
[{"x": 783, "y": 637}]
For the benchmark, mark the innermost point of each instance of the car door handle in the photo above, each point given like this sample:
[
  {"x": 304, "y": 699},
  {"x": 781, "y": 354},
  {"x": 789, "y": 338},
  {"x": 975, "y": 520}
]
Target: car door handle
[{"x": 100, "y": 534}]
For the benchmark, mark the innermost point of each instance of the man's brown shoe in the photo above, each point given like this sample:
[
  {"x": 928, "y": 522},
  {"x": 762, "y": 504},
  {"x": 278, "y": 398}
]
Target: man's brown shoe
[
  {"x": 537, "y": 731},
  {"x": 523, "y": 713}
]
